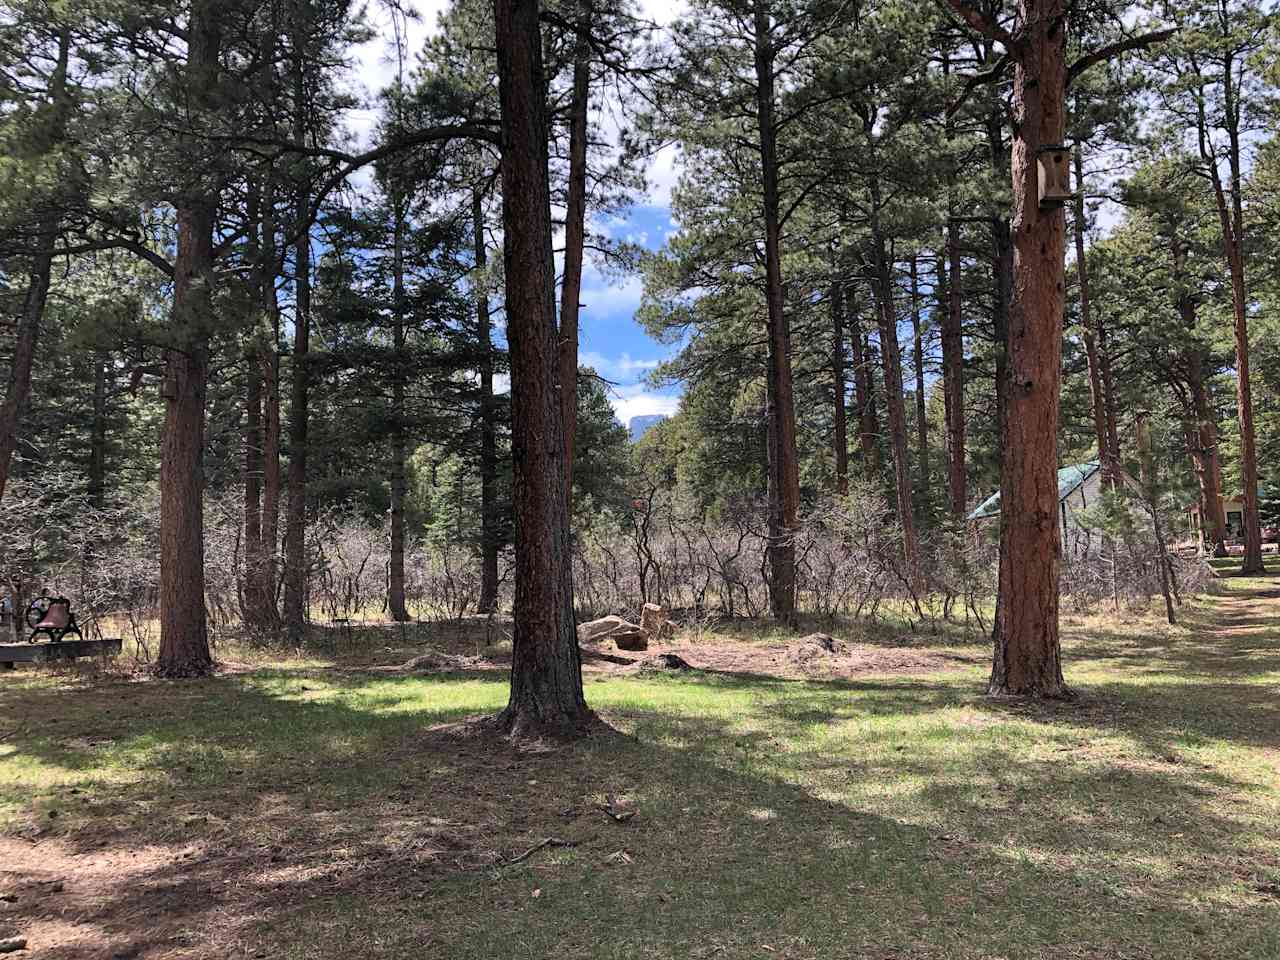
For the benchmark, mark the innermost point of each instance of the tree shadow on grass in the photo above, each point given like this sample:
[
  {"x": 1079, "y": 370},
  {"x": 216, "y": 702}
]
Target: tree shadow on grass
[{"x": 339, "y": 816}]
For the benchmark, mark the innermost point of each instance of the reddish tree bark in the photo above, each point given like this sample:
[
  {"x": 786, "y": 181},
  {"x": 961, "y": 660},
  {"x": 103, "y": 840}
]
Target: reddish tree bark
[
  {"x": 1027, "y": 658},
  {"x": 546, "y": 666},
  {"x": 184, "y": 640}
]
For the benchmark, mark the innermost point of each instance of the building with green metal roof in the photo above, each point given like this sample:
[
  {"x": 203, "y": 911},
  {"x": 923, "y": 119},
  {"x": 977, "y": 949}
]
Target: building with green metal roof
[
  {"x": 1079, "y": 486},
  {"x": 1071, "y": 480}
]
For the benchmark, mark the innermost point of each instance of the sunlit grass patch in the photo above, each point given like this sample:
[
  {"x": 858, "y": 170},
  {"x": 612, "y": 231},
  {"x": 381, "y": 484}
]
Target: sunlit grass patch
[{"x": 886, "y": 816}]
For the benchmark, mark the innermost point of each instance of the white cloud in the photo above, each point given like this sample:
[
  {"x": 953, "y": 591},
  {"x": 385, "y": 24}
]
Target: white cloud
[
  {"x": 662, "y": 11},
  {"x": 619, "y": 369},
  {"x": 636, "y": 401},
  {"x": 663, "y": 172},
  {"x": 601, "y": 299}
]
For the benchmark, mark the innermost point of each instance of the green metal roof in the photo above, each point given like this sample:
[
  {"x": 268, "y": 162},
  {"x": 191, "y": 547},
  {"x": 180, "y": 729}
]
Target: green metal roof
[{"x": 1069, "y": 480}]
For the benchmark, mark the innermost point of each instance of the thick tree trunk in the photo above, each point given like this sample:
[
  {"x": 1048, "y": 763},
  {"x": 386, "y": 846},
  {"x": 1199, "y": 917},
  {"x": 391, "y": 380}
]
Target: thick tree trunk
[
  {"x": 295, "y": 528},
  {"x": 488, "y": 422},
  {"x": 917, "y": 358},
  {"x": 574, "y": 239},
  {"x": 1027, "y": 656},
  {"x": 953, "y": 377},
  {"x": 546, "y": 666},
  {"x": 184, "y": 639},
  {"x": 38, "y": 278},
  {"x": 1097, "y": 400},
  {"x": 395, "y": 574},
  {"x": 896, "y": 410},
  {"x": 839, "y": 417},
  {"x": 184, "y": 643},
  {"x": 784, "y": 501}
]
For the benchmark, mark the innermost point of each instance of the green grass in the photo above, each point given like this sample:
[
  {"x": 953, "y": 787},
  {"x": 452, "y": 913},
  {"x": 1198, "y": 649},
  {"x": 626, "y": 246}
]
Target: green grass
[{"x": 894, "y": 816}]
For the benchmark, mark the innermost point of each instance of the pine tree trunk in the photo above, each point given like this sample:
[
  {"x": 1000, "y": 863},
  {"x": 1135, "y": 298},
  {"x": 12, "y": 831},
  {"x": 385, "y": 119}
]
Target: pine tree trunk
[
  {"x": 574, "y": 239},
  {"x": 1201, "y": 429},
  {"x": 1027, "y": 656},
  {"x": 1232, "y": 238},
  {"x": 840, "y": 429},
  {"x": 295, "y": 528},
  {"x": 19, "y": 386},
  {"x": 917, "y": 358},
  {"x": 1108, "y": 390},
  {"x": 184, "y": 639},
  {"x": 895, "y": 408},
  {"x": 1208, "y": 466},
  {"x": 546, "y": 666},
  {"x": 1151, "y": 496},
  {"x": 864, "y": 396},
  {"x": 952, "y": 336},
  {"x": 488, "y": 425},
  {"x": 395, "y": 578},
  {"x": 38, "y": 278},
  {"x": 267, "y": 615},
  {"x": 784, "y": 501},
  {"x": 251, "y": 602},
  {"x": 953, "y": 377}
]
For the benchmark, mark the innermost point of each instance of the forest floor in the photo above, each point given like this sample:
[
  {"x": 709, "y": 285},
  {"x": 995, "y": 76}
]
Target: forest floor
[{"x": 771, "y": 805}]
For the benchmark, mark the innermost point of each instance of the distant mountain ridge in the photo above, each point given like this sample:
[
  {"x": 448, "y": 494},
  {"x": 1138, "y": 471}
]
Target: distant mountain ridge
[{"x": 639, "y": 426}]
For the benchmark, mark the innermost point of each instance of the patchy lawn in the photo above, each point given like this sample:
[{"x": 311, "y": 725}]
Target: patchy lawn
[{"x": 307, "y": 810}]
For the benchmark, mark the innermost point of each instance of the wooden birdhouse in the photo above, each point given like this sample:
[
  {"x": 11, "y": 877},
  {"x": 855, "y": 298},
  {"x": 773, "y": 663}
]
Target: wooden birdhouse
[{"x": 1055, "y": 175}]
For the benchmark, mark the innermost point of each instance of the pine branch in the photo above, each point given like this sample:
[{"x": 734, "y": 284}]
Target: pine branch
[
  {"x": 980, "y": 21},
  {"x": 1114, "y": 49}
]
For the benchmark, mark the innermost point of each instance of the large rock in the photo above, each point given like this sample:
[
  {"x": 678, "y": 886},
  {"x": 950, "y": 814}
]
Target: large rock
[{"x": 624, "y": 634}]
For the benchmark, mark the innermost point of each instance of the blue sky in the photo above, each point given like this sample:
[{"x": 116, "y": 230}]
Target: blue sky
[{"x": 610, "y": 339}]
